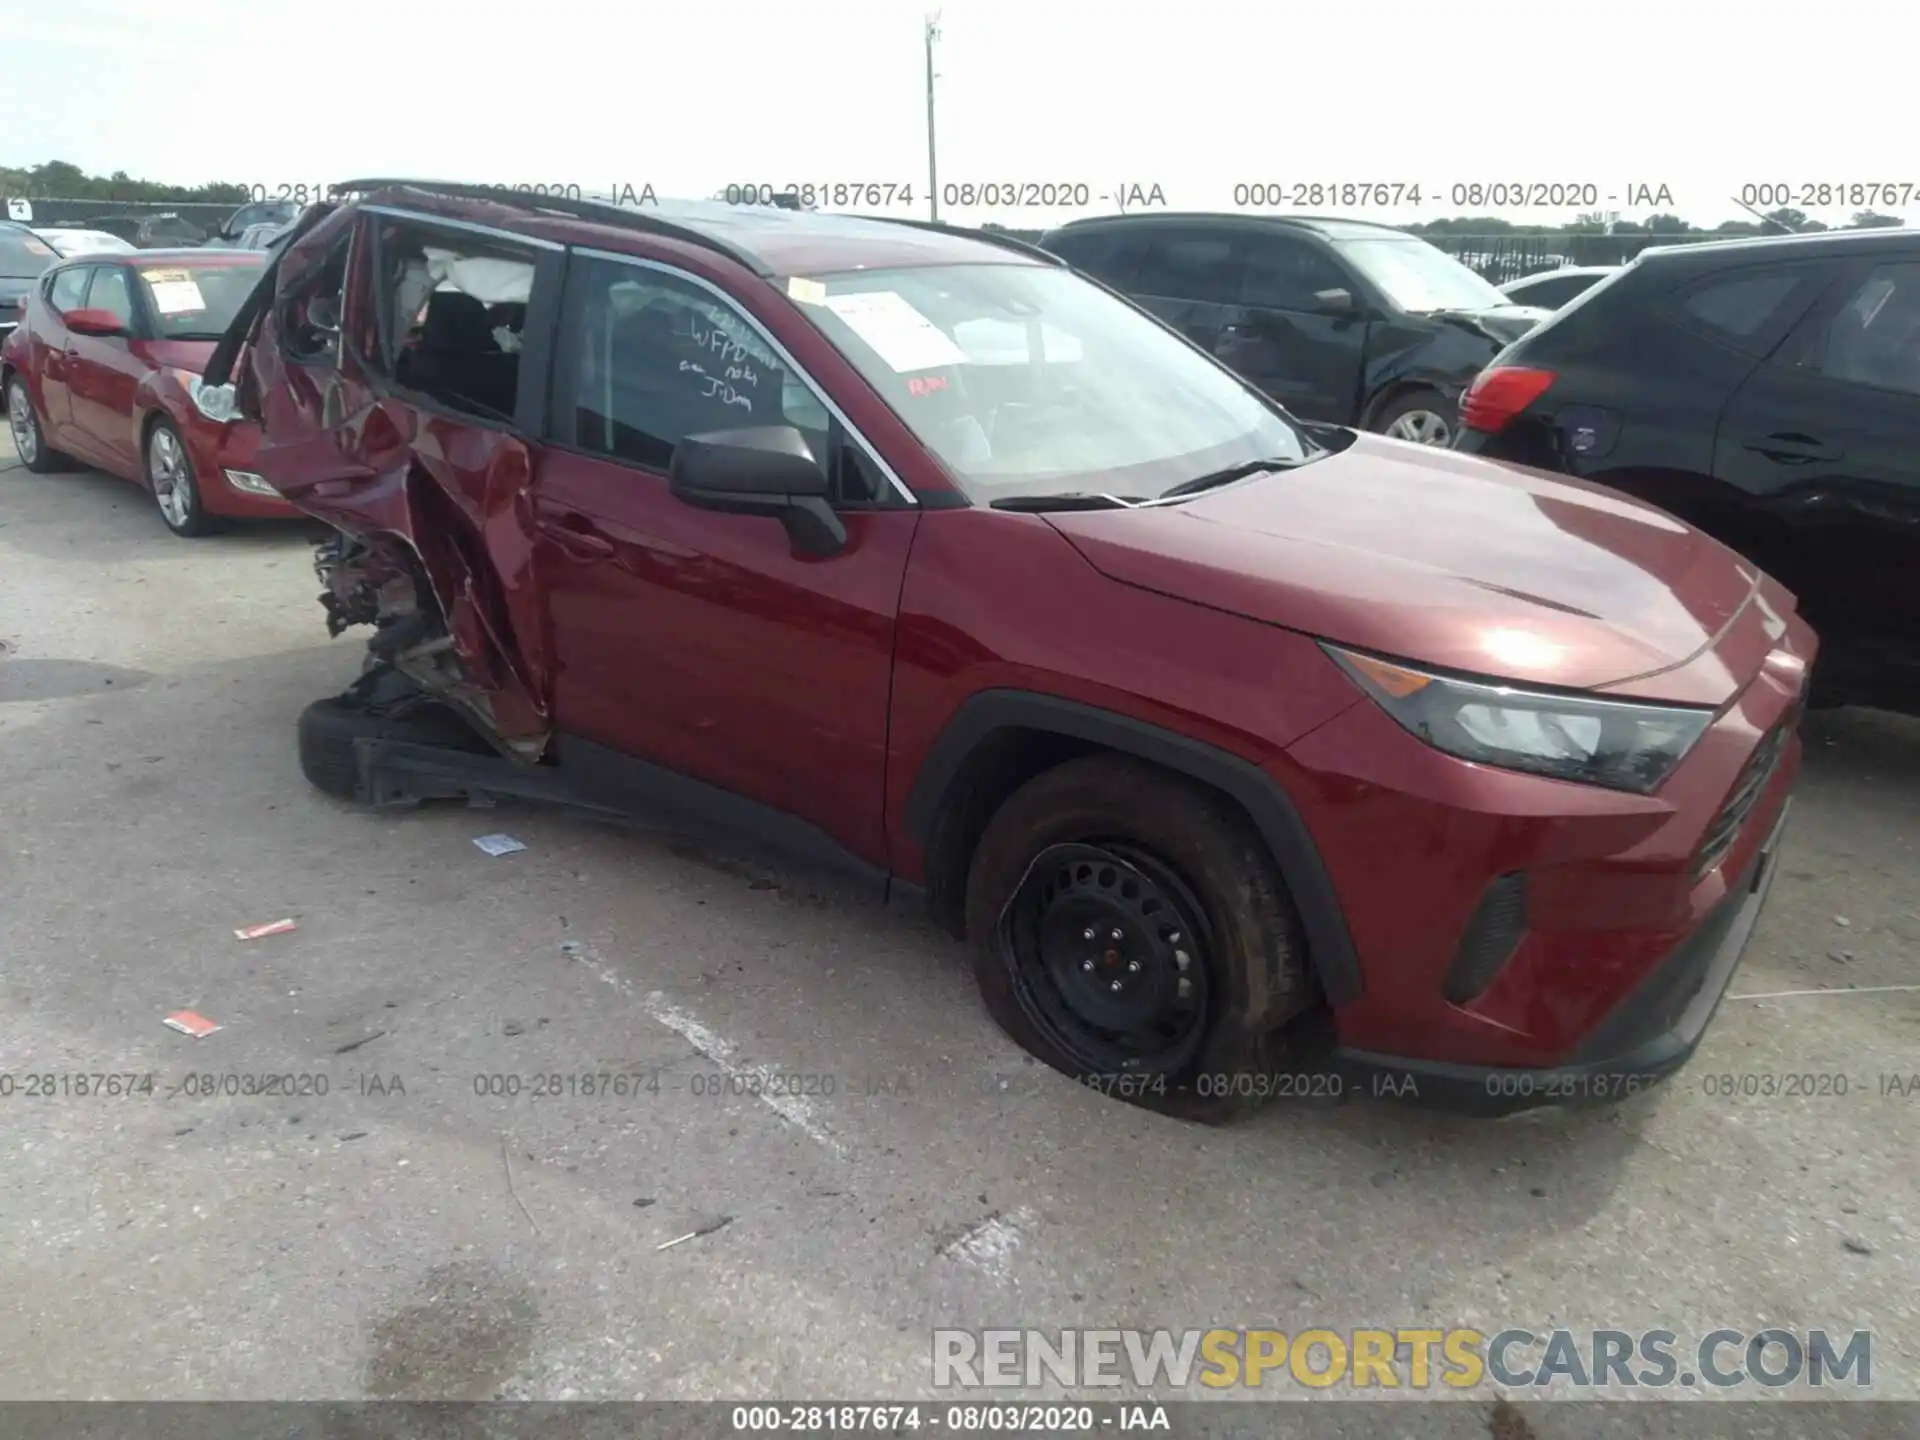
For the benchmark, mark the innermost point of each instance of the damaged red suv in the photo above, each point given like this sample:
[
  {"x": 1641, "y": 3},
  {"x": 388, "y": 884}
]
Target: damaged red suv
[{"x": 1255, "y": 758}]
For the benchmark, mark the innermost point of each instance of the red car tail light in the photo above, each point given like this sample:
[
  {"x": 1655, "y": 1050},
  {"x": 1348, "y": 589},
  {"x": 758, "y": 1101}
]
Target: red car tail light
[{"x": 1499, "y": 394}]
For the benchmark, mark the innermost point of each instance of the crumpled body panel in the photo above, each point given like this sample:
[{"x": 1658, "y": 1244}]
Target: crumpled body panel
[{"x": 436, "y": 548}]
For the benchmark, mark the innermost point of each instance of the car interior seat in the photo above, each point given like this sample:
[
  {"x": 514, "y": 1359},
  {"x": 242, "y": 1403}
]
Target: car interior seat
[{"x": 458, "y": 356}]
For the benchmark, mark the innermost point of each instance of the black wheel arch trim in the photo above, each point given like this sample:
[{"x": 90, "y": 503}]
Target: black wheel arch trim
[{"x": 1329, "y": 942}]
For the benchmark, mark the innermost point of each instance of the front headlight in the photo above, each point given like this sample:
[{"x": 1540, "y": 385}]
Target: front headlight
[
  {"x": 1622, "y": 744},
  {"x": 216, "y": 402}
]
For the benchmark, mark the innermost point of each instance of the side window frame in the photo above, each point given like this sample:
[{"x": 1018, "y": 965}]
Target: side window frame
[
  {"x": 1277, "y": 242},
  {"x": 85, "y": 272},
  {"x": 1813, "y": 279},
  {"x": 1805, "y": 346},
  {"x": 132, "y": 292},
  {"x": 564, "y": 345},
  {"x": 365, "y": 284},
  {"x": 1159, "y": 237}
]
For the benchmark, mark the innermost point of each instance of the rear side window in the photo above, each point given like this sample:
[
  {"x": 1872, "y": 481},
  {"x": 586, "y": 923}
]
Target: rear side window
[
  {"x": 1874, "y": 338},
  {"x": 1110, "y": 256},
  {"x": 1741, "y": 306},
  {"x": 1084, "y": 249},
  {"x": 452, "y": 310},
  {"x": 1190, "y": 265}
]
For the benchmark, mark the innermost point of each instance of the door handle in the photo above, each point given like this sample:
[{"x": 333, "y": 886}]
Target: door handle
[
  {"x": 582, "y": 543},
  {"x": 1792, "y": 448}
]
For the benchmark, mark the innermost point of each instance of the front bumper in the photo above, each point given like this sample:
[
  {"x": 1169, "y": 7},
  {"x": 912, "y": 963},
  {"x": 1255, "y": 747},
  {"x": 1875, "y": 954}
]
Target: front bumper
[
  {"x": 223, "y": 497},
  {"x": 1648, "y": 1035},
  {"x": 220, "y": 449}
]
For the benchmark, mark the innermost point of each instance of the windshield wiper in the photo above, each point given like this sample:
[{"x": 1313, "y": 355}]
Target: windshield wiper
[
  {"x": 1229, "y": 475},
  {"x": 1074, "y": 500}
]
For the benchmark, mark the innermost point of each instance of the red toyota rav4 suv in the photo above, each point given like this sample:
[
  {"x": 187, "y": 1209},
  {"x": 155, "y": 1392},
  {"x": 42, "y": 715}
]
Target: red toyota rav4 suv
[{"x": 1254, "y": 757}]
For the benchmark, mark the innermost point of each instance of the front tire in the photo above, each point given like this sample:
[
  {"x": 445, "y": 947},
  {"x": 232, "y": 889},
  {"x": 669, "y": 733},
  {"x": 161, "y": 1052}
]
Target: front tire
[
  {"x": 176, "y": 489},
  {"x": 1131, "y": 930},
  {"x": 382, "y": 705},
  {"x": 1422, "y": 417},
  {"x": 29, "y": 439}
]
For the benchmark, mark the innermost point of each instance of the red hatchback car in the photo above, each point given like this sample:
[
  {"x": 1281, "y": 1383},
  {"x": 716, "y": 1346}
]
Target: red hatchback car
[
  {"x": 1255, "y": 758},
  {"x": 104, "y": 367}
]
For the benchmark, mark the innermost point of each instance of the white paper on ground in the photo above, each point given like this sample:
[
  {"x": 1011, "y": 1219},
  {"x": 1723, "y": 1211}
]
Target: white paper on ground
[
  {"x": 498, "y": 844},
  {"x": 904, "y": 338}
]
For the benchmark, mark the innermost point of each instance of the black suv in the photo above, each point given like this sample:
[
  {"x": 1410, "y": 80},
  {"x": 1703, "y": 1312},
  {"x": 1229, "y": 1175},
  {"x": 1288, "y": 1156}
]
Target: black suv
[
  {"x": 1766, "y": 390},
  {"x": 1338, "y": 320}
]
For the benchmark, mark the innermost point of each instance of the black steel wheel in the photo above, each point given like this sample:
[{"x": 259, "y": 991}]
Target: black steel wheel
[
  {"x": 1109, "y": 950},
  {"x": 1185, "y": 1008}
]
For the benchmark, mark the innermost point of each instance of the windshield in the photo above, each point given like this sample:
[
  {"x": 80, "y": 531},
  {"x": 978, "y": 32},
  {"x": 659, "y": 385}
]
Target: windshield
[
  {"x": 1026, "y": 380},
  {"x": 171, "y": 227},
  {"x": 196, "y": 302},
  {"x": 23, "y": 256},
  {"x": 1420, "y": 277}
]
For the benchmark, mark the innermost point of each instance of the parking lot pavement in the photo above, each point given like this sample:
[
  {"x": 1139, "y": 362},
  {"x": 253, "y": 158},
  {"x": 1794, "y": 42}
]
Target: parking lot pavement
[{"x": 409, "y": 1234}]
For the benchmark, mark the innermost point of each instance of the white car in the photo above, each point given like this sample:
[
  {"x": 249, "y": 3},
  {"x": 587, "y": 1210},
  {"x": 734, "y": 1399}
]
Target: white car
[
  {"x": 68, "y": 242},
  {"x": 1550, "y": 289}
]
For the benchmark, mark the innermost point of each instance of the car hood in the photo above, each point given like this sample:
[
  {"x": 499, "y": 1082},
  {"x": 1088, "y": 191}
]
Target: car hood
[
  {"x": 180, "y": 354},
  {"x": 1455, "y": 562}
]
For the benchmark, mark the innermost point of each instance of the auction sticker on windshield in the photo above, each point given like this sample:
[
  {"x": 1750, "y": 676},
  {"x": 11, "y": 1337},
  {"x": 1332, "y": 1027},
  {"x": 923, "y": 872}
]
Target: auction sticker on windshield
[
  {"x": 174, "y": 291},
  {"x": 901, "y": 336}
]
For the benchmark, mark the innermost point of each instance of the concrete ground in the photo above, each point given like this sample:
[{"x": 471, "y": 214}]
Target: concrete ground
[{"x": 406, "y": 1235}]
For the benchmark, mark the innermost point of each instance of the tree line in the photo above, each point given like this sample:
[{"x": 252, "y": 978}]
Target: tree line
[{"x": 57, "y": 180}]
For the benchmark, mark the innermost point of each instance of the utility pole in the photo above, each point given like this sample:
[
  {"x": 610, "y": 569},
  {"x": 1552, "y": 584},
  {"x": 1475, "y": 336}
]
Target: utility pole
[{"x": 933, "y": 166}]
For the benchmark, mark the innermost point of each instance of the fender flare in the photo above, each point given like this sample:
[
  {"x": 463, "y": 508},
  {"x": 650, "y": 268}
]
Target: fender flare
[{"x": 1329, "y": 942}]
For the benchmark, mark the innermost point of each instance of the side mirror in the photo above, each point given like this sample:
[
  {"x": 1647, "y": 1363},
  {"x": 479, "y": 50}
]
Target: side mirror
[
  {"x": 323, "y": 313},
  {"x": 1338, "y": 302},
  {"x": 101, "y": 323},
  {"x": 762, "y": 470}
]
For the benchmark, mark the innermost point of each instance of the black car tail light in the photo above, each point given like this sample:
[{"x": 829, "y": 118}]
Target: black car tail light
[
  {"x": 1492, "y": 935},
  {"x": 1501, "y": 393}
]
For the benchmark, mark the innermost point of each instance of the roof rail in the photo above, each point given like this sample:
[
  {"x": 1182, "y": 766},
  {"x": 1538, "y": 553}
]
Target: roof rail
[
  {"x": 603, "y": 212},
  {"x": 990, "y": 237}
]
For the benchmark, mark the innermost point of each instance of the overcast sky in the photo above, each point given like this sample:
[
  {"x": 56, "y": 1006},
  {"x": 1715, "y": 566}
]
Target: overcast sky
[{"x": 1196, "y": 97}]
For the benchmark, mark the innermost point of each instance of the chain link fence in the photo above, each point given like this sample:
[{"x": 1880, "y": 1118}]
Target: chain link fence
[{"x": 1504, "y": 257}]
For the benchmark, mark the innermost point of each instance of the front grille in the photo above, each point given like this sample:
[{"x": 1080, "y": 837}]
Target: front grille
[{"x": 1747, "y": 791}]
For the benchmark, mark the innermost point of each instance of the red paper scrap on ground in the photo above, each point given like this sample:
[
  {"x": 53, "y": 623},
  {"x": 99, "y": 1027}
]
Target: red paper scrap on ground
[{"x": 273, "y": 927}]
